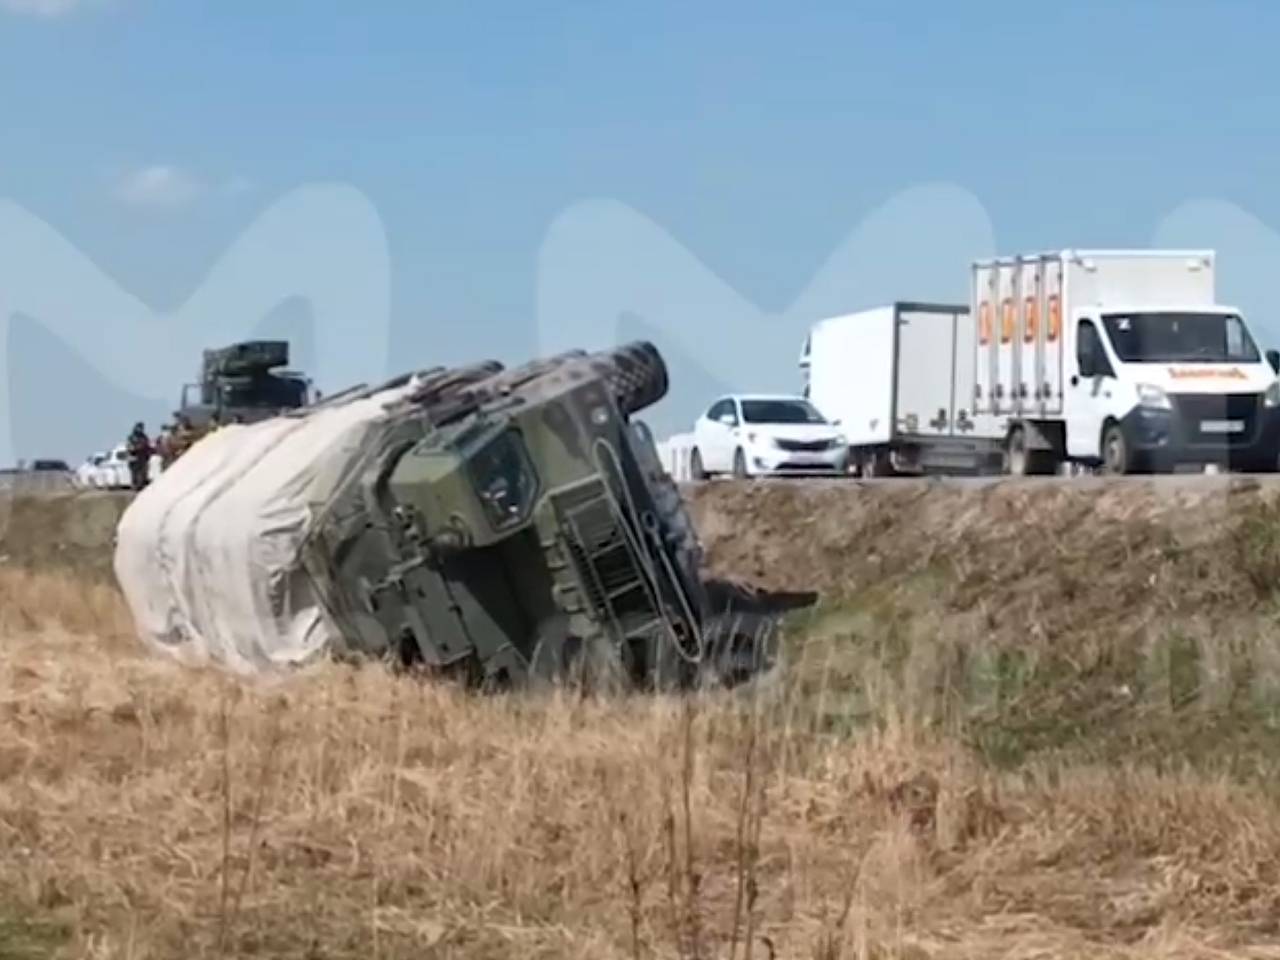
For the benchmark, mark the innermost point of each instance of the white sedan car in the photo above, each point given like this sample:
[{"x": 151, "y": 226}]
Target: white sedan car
[
  {"x": 766, "y": 434},
  {"x": 109, "y": 469},
  {"x": 106, "y": 469}
]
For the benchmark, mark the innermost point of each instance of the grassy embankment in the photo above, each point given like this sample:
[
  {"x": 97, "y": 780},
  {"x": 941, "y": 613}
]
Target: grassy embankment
[{"x": 1019, "y": 724}]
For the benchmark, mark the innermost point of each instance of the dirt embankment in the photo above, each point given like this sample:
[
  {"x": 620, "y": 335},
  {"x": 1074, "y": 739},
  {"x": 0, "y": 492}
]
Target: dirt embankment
[
  {"x": 843, "y": 537},
  {"x": 1024, "y": 720},
  {"x": 1028, "y": 720},
  {"x": 838, "y": 537},
  {"x": 1119, "y": 620},
  {"x": 72, "y": 531}
]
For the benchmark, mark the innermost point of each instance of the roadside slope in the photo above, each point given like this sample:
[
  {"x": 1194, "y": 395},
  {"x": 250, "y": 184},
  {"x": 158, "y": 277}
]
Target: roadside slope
[
  {"x": 71, "y": 531},
  {"x": 1113, "y": 621},
  {"x": 1024, "y": 720}
]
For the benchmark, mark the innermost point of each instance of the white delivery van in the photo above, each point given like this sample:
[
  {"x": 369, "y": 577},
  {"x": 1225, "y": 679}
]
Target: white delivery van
[
  {"x": 1122, "y": 360},
  {"x": 899, "y": 382}
]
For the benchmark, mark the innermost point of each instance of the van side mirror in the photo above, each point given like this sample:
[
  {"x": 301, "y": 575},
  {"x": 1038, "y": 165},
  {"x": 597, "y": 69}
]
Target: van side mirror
[{"x": 1273, "y": 358}]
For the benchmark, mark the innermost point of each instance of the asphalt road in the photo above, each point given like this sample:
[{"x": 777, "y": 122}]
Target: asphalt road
[
  {"x": 1187, "y": 479},
  {"x": 37, "y": 482}
]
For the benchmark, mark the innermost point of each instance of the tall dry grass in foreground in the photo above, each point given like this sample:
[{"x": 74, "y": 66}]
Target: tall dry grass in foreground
[{"x": 147, "y": 811}]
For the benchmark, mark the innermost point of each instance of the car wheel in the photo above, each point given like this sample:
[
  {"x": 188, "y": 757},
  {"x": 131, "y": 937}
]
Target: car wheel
[
  {"x": 1116, "y": 457},
  {"x": 740, "y": 465},
  {"x": 696, "y": 470}
]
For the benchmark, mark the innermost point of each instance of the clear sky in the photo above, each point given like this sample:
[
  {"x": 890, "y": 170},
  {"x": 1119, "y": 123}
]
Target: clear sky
[{"x": 716, "y": 174}]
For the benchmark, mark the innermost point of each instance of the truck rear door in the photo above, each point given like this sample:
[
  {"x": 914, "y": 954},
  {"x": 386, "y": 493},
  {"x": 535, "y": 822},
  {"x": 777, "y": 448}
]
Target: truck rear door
[{"x": 928, "y": 369}]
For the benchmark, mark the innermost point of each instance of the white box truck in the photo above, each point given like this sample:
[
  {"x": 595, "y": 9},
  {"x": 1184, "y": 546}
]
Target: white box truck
[
  {"x": 899, "y": 382},
  {"x": 1123, "y": 360},
  {"x": 1119, "y": 360}
]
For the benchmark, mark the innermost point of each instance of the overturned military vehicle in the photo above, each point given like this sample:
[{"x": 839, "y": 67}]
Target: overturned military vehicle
[{"x": 500, "y": 526}]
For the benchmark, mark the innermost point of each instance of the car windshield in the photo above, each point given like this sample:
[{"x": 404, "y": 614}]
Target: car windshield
[
  {"x": 780, "y": 411},
  {"x": 1181, "y": 338}
]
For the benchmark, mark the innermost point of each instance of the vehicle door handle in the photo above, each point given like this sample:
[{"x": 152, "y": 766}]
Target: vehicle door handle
[{"x": 1075, "y": 381}]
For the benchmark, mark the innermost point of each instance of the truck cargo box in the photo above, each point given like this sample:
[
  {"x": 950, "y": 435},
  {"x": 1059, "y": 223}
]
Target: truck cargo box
[
  {"x": 898, "y": 377},
  {"x": 1022, "y": 308}
]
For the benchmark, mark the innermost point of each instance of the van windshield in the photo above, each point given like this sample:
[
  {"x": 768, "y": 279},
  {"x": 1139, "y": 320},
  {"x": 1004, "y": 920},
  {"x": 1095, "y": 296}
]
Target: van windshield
[{"x": 1180, "y": 338}]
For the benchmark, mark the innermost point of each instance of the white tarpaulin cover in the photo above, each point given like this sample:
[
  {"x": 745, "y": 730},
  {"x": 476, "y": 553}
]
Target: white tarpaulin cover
[{"x": 206, "y": 554}]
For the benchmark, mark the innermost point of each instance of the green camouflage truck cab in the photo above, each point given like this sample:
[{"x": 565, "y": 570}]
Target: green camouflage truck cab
[{"x": 509, "y": 526}]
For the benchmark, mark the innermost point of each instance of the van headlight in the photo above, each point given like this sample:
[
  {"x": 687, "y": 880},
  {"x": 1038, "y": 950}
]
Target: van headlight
[
  {"x": 1271, "y": 398},
  {"x": 1153, "y": 397}
]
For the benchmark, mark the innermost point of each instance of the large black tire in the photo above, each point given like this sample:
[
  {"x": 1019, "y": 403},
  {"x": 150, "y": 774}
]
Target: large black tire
[
  {"x": 1117, "y": 458},
  {"x": 636, "y": 374}
]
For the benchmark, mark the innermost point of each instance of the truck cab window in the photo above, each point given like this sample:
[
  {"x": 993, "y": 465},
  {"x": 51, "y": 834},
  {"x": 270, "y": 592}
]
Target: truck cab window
[
  {"x": 504, "y": 479},
  {"x": 1090, "y": 357}
]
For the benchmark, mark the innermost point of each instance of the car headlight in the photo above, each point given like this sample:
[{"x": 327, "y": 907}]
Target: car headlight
[
  {"x": 1272, "y": 397},
  {"x": 1153, "y": 397}
]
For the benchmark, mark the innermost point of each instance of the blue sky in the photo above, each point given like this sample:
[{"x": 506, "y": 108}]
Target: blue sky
[{"x": 741, "y": 146}]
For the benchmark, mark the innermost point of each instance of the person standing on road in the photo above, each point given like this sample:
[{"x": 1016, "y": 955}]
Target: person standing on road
[{"x": 139, "y": 447}]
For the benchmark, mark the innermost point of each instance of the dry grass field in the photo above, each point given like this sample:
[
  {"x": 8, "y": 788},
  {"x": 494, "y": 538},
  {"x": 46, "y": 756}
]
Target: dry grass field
[{"x": 930, "y": 774}]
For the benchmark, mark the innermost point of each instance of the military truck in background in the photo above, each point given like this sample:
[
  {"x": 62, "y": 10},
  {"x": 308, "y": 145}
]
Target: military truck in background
[{"x": 241, "y": 382}]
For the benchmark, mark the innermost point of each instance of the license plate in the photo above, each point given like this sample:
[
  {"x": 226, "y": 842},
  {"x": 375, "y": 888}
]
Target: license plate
[{"x": 1221, "y": 426}]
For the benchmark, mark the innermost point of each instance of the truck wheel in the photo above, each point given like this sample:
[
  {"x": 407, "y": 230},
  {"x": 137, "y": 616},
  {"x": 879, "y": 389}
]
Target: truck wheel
[
  {"x": 1016, "y": 454},
  {"x": 696, "y": 470},
  {"x": 1116, "y": 458},
  {"x": 1022, "y": 461},
  {"x": 873, "y": 464},
  {"x": 739, "y": 464}
]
